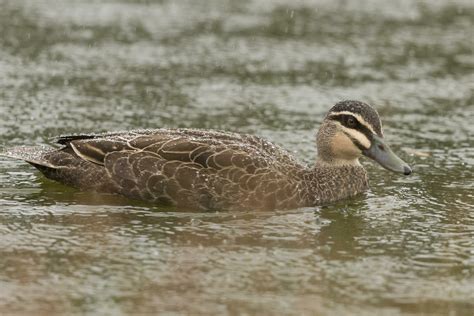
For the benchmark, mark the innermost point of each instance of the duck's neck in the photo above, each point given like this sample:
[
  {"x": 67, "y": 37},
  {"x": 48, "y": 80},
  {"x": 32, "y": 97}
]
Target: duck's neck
[{"x": 335, "y": 180}]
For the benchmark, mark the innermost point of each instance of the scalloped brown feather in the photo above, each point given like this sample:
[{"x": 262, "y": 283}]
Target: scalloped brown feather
[{"x": 196, "y": 170}]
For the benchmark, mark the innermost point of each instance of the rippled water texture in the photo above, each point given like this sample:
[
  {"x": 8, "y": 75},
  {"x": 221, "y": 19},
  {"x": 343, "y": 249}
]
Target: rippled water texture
[{"x": 272, "y": 68}]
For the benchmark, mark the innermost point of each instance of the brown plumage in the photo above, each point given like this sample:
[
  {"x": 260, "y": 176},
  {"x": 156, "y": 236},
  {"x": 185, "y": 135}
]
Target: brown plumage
[{"x": 205, "y": 170}]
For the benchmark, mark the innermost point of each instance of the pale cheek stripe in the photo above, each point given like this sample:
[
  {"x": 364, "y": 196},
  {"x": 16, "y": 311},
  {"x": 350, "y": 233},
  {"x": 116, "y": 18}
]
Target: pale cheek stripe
[{"x": 361, "y": 138}]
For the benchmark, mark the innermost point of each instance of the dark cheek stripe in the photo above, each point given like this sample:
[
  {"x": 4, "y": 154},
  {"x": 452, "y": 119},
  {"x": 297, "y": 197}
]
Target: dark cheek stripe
[
  {"x": 355, "y": 142},
  {"x": 342, "y": 118}
]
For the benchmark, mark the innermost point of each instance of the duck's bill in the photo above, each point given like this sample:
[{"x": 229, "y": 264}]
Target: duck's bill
[{"x": 381, "y": 152}]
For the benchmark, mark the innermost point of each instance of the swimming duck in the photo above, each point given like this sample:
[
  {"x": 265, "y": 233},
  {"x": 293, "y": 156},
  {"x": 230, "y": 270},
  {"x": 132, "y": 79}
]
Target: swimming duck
[{"x": 208, "y": 170}]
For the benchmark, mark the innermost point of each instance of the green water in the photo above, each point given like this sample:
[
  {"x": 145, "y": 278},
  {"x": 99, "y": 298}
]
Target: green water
[{"x": 271, "y": 68}]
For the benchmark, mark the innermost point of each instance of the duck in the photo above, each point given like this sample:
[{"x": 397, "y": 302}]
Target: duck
[{"x": 204, "y": 170}]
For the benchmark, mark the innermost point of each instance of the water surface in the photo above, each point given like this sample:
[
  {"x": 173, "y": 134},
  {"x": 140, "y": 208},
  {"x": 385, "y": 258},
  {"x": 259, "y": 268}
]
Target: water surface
[{"x": 265, "y": 67}]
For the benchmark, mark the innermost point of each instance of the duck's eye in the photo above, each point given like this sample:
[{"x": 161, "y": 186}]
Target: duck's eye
[{"x": 351, "y": 122}]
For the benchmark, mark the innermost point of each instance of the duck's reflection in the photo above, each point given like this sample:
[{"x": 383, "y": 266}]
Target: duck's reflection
[
  {"x": 338, "y": 239},
  {"x": 330, "y": 231}
]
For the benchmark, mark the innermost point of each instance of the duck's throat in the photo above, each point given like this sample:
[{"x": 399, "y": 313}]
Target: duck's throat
[{"x": 331, "y": 182}]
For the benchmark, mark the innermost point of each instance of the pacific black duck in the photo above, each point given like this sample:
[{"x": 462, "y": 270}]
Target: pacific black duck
[{"x": 202, "y": 169}]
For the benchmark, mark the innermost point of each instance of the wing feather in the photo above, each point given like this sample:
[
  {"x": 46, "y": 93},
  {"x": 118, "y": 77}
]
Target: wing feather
[{"x": 191, "y": 168}]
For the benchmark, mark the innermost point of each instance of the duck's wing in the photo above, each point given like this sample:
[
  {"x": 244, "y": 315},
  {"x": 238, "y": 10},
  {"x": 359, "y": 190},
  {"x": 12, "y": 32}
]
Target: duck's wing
[
  {"x": 211, "y": 149},
  {"x": 182, "y": 166}
]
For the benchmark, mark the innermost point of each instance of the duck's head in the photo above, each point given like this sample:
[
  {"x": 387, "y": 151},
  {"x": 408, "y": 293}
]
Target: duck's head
[{"x": 352, "y": 129}]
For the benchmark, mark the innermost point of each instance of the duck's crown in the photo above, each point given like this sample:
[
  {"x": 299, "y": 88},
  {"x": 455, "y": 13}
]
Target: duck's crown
[{"x": 365, "y": 114}]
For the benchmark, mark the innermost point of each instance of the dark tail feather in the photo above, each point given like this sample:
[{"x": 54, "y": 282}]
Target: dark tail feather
[{"x": 34, "y": 155}]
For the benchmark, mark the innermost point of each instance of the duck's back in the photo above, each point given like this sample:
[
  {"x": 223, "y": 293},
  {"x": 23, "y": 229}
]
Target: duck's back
[{"x": 188, "y": 168}]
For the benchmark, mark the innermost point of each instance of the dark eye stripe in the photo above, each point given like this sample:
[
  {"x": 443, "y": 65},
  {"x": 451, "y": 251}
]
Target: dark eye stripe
[{"x": 342, "y": 118}]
